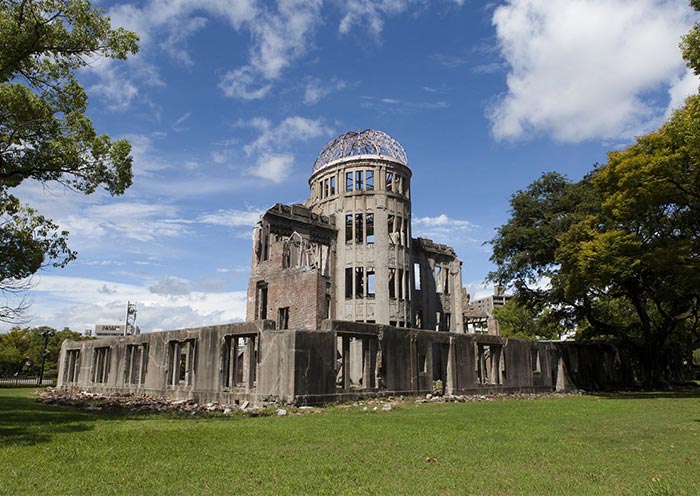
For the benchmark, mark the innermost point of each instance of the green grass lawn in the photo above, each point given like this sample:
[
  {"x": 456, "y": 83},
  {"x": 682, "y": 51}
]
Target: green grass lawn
[{"x": 629, "y": 444}]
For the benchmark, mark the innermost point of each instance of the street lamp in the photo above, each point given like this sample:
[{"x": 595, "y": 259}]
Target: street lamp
[{"x": 46, "y": 335}]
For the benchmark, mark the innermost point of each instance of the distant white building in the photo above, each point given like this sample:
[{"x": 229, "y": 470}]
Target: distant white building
[
  {"x": 110, "y": 330},
  {"x": 488, "y": 303}
]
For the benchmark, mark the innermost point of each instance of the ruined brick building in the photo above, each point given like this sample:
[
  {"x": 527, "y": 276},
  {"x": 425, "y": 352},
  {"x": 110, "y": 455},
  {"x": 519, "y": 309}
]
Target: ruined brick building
[
  {"x": 344, "y": 303},
  {"x": 347, "y": 253}
]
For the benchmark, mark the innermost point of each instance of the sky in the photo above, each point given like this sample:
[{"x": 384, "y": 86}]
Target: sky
[{"x": 228, "y": 103}]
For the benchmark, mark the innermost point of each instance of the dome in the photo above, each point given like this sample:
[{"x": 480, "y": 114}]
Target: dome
[{"x": 354, "y": 143}]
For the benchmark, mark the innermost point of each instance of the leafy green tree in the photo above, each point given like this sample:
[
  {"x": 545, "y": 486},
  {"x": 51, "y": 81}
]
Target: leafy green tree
[
  {"x": 522, "y": 321},
  {"x": 44, "y": 133},
  {"x": 690, "y": 46},
  {"x": 21, "y": 345},
  {"x": 620, "y": 249}
]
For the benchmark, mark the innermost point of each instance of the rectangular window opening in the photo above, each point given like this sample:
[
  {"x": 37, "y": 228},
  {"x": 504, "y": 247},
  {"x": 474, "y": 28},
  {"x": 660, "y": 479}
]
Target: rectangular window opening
[
  {"x": 101, "y": 364},
  {"x": 401, "y": 284},
  {"x": 535, "y": 357},
  {"x": 359, "y": 181},
  {"x": 333, "y": 185},
  {"x": 389, "y": 182},
  {"x": 348, "y": 283},
  {"x": 348, "y": 229},
  {"x": 359, "y": 229},
  {"x": 416, "y": 276},
  {"x": 438, "y": 279},
  {"x": 72, "y": 370},
  {"x": 348, "y": 181},
  {"x": 392, "y": 283},
  {"x": 370, "y": 283},
  {"x": 261, "y": 301},
  {"x": 283, "y": 318},
  {"x": 359, "y": 282},
  {"x": 369, "y": 180},
  {"x": 369, "y": 228}
]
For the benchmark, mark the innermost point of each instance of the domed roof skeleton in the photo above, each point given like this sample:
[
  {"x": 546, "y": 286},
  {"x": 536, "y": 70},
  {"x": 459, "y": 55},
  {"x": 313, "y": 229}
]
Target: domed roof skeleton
[{"x": 355, "y": 143}]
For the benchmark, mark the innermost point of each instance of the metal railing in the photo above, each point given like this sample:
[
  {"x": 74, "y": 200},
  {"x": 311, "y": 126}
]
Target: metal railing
[{"x": 27, "y": 380}]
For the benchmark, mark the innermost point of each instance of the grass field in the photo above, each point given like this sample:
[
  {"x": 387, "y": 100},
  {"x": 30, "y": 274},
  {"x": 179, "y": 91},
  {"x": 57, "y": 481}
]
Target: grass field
[{"x": 630, "y": 444}]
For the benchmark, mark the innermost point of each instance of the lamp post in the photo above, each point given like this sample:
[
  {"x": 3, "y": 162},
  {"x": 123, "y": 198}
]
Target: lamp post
[{"x": 46, "y": 335}]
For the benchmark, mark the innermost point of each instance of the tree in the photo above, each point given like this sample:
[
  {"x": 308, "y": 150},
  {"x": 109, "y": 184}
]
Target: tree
[
  {"x": 620, "y": 249},
  {"x": 21, "y": 347},
  {"x": 44, "y": 133},
  {"x": 522, "y": 321}
]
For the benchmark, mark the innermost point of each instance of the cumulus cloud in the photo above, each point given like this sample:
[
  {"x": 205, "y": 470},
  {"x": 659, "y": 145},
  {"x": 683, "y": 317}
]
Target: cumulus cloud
[
  {"x": 444, "y": 229},
  {"x": 369, "y": 14},
  {"x": 316, "y": 89},
  {"x": 233, "y": 218},
  {"x": 139, "y": 221},
  {"x": 80, "y": 303},
  {"x": 244, "y": 83},
  {"x": 579, "y": 70},
  {"x": 171, "y": 286},
  {"x": 279, "y": 38},
  {"x": 271, "y": 148}
]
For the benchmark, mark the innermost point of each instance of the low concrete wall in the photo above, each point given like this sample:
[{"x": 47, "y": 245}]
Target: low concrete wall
[{"x": 344, "y": 360}]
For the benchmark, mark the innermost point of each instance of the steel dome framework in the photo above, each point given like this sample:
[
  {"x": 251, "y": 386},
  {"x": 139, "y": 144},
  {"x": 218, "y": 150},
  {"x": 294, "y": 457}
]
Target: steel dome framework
[{"x": 367, "y": 142}]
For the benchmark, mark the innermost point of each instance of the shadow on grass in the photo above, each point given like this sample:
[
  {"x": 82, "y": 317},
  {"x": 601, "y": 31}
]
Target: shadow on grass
[
  {"x": 25, "y": 421},
  {"x": 649, "y": 395}
]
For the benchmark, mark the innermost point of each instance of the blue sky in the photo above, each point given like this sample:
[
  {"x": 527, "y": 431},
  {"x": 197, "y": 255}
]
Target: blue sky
[{"x": 228, "y": 103}]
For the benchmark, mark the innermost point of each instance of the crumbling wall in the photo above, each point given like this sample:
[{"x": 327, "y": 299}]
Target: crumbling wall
[
  {"x": 438, "y": 292},
  {"x": 292, "y": 262},
  {"x": 343, "y": 360}
]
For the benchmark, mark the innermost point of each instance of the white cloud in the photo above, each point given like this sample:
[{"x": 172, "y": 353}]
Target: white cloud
[
  {"x": 581, "y": 69},
  {"x": 290, "y": 130},
  {"x": 171, "y": 286},
  {"x": 275, "y": 168},
  {"x": 232, "y": 218},
  {"x": 316, "y": 89},
  {"x": 369, "y": 14},
  {"x": 239, "y": 83},
  {"x": 80, "y": 303},
  {"x": 443, "y": 229},
  {"x": 273, "y": 160},
  {"x": 680, "y": 89},
  {"x": 279, "y": 38}
]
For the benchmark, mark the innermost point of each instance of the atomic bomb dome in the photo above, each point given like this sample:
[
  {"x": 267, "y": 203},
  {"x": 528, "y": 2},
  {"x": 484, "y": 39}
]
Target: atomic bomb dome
[{"x": 354, "y": 143}]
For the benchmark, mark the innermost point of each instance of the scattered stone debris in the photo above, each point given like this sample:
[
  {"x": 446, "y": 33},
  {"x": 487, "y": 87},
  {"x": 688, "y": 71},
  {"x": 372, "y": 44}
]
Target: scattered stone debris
[{"x": 145, "y": 403}]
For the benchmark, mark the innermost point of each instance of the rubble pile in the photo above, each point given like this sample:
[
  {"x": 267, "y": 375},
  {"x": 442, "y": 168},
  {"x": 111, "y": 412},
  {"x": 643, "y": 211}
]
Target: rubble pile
[
  {"x": 146, "y": 403},
  {"x": 137, "y": 403}
]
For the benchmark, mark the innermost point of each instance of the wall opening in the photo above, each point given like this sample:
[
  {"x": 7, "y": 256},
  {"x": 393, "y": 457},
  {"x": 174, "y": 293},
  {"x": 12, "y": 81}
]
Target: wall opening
[
  {"x": 359, "y": 282},
  {"x": 101, "y": 364},
  {"x": 370, "y": 283},
  {"x": 359, "y": 230},
  {"x": 369, "y": 227},
  {"x": 348, "y": 283},
  {"x": 261, "y": 301},
  {"x": 416, "y": 277},
  {"x": 283, "y": 318},
  {"x": 136, "y": 363},
  {"x": 348, "y": 229},
  {"x": 181, "y": 362},
  {"x": 240, "y": 358},
  {"x": 356, "y": 362},
  {"x": 72, "y": 366}
]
